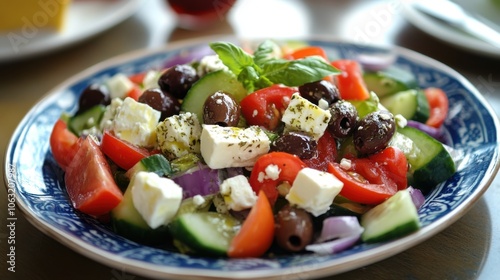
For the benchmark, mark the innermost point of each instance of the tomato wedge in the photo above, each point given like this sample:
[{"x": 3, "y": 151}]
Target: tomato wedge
[
  {"x": 89, "y": 182},
  {"x": 288, "y": 166},
  {"x": 307, "y": 51},
  {"x": 374, "y": 179},
  {"x": 325, "y": 153},
  {"x": 124, "y": 154},
  {"x": 350, "y": 82},
  {"x": 63, "y": 144},
  {"x": 265, "y": 107},
  {"x": 257, "y": 232},
  {"x": 438, "y": 103},
  {"x": 135, "y": 92}
]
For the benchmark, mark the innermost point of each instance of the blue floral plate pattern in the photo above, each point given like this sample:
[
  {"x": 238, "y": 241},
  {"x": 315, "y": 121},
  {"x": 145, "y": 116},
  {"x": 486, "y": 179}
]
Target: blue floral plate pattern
[{"x": 472, "y": 129}]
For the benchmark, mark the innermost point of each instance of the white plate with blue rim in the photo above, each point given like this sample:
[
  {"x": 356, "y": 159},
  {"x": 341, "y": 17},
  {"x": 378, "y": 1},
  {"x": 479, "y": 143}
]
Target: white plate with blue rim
[
  {"x": 42, "y": 198},
  {"x": 84, "y": 19}
]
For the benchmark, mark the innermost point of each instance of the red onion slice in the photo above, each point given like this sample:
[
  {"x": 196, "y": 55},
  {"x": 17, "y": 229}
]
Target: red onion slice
[
  {"x": 342, "y": 231},
  {"x": 417, "y": 197},
  {"x": 200, "y": 180}
]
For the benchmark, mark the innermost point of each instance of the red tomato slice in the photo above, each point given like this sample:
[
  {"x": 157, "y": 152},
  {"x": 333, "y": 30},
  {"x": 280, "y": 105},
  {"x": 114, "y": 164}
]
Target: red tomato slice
[
  {"x": 393, "y": 161},
  {"x": 137, "y": 78},
  {"x": 89, "y": 181},
  {"x": 265, "y": 107},
  {"x": 350, "y": 82},
  {"x": 438, "y": 103},
  {"x": 257, "y": 232},
  {"x": 124, "y": 154},
  {"x": 373, "y": 179},
  {"x": 135, "y": 92},
  {"x": 307, "y": 51},
  {"x": 289, "y": 165},
  {"x": 325, "y": 153},
  {"x": 63, "y": 144}
]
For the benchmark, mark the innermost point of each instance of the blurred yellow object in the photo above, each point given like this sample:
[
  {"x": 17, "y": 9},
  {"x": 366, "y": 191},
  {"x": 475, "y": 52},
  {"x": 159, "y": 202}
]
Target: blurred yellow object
[{"x": 41, "y": 14}]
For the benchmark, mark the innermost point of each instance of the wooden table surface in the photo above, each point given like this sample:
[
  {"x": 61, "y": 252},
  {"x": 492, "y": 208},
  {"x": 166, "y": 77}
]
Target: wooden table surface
[{"x": 468, "y": 249}]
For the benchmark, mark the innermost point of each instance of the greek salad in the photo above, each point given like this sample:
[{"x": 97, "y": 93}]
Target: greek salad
[{"x": 250, "y": 152}]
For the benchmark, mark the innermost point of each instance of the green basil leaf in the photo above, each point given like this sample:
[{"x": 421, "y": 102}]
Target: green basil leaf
[
  {"x": 297, "y": 72},
  {"x": 266, "y": 51},
  {"x": 235, "y": 58},
  {"x": 247, "y": 77}
]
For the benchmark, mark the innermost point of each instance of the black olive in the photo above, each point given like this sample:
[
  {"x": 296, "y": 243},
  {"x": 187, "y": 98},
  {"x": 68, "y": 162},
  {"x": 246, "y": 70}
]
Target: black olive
[
  {"x": 374, "y": 132},
  {"x": 293, "y": 228},
  {"x": 94, "y": 94},
  {"x": 343, "y": 120},
  {"x": 297, "y": 143},
  {"x": 220, "y": 108},
  {"x": 161, "y": 101},
  {"x": 177, "y": 80},
  {"x": 322, "y": 89}
]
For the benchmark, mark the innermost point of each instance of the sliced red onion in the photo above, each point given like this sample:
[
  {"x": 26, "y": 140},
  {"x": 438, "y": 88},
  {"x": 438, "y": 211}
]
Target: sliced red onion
[
  {"x": 189, "y": 56},
  {"x": 436, "y": 133},
  {"x": 342, "y": 231},
  {"x": 334, "y": 246},
  {"x": 201, "y": 180},
  {"x": 417, "y": 196},
  {"x": 376, "y": 62}
]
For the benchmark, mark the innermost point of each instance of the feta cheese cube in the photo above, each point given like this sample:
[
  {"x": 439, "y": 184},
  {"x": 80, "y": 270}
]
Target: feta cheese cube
[
  {"x": 156, "y": 198},
  {"x": 136, "y": 123},
  {"x": 210, "y": 63},
  {"x": 151, "y": 79},
  {"x": 110, "y": 114},
  {"x": 237, "y": 193},
  {"x": 179, "y": 135},
  {"x": 119, "y": 85},
  {"x": 223, "y": 147},
  {"x": 302, "y": 115},
  {"x": 314, "y": 190}
]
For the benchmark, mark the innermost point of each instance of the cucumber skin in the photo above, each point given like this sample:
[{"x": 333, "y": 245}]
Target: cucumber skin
[
  {"x": 128, "y": 222},
  {"x": 426, "y": 173},
  {"x": 194, "y": 238},
  {"x": 389, "y": 81},
  {"x": 416, "y": 109},
  {"x": 399, "y": 206}
]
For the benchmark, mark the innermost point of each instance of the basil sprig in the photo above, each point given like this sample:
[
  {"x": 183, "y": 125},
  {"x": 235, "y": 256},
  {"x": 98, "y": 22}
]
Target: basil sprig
[{"x": 263, "y": 68}]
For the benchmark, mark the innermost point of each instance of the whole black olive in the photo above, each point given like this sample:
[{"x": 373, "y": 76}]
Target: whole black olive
[
  {"x": 374, "y": 132},
  {"x": 297, "y": 143},
  {"x": 320, "y": 90},
  {"x": 178, "y": 79},
  {"x": 161, "y": 101},
  {"x": 92, "y": 95},
  {"x": 220, "y": 108},
  {"x": 293, "y": 228},
  {"x": 343, "y": 120}
]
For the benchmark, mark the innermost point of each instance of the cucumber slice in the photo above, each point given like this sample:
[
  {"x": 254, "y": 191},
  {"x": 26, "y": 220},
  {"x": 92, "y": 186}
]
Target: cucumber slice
[
  {"x": 205, "y": 232},
  {"x": 128, "y": 222},
  {"x": 156, "y": 163},
  {"x": 411, "y": 104},
  {"x": 393, "y": 218},
  {"x": 208, "y": 85},
  {"x": 86, "y": 120},
  {"x": 430, "y": 162},
  {"x": 389, "y": 81}
]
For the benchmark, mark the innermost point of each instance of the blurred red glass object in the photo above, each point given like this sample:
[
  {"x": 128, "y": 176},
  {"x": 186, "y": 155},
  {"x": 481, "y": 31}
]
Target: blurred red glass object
[{"x": 198, "y": 14}]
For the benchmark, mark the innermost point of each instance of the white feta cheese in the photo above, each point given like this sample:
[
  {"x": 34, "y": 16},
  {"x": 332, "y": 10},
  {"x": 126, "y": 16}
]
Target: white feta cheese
[
  {"x": 156, "y": 198},
  {"x": 179, "y": 135},
  {"x": 237, "y": 193},
  {"x": 119, "y": 85},
  {"x": 302, "y": 115},
  {"x": 199, "y": 200},
  {"x": 110, "y": 113},
  {"x": 271, "y": 171},
  {"x": 136, "y": 123},
  {"x": 314, "y": 190},
  {"x": 400, "y": 120},
  {"x": 223, "y": 147},
  {"x": 151, "y": 79},
  {"x": 210, "y": 63}
]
